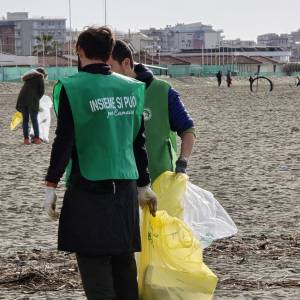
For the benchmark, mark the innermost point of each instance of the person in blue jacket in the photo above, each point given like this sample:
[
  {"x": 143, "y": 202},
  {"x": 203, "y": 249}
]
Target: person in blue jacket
[{"x": 164, "y": 114}]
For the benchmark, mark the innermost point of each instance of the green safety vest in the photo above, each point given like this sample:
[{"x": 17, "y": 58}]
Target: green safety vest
[
  {"x": 160, "y": 140},
  {"x": 107, "y": 113}
]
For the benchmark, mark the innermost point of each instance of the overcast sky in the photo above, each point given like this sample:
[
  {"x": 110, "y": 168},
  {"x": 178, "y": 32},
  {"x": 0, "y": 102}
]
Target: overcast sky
[{"x": 238, "y": 18}]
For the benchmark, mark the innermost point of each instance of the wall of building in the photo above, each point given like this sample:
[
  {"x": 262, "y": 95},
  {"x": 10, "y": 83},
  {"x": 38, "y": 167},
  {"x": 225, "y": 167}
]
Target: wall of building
[
  {"x": 211, "y": 39},
  {"x": 27, "y": 30},
  {"x": 141, "y": 42},
  {"x": 247, "y": 68},
  {"x": 17, "y": 16},
  {"x": 281, "y": 56},
  {"x": 274, "y": 40},
  {"x": 238, "y": 43},
  {"x": 16, "y": 60},
  {"x": 25, "y": 47},
  {"x": 295, "y": 36},
  {"x": 7, "y": 38},
  {"x": 185, "y": 37}
]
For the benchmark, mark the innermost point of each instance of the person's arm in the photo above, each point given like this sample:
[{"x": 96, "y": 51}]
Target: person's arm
[
  {"x": 141, "y": 157},
  {"x": 182, "y": 123},
  {"x": 145, "y": 195},
  {"x": 187, "y": 143},
  {"x": 60, "y": 154},
  {"x": 63, "y": 142},
  {"x": 20, "y": 99},
  {"x": 42, "y": 90},
  {"x": 40, "y": 86}
]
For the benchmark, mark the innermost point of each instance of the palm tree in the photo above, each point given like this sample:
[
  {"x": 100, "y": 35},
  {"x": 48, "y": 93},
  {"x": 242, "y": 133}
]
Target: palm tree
[{"x": 45, "y": 46}]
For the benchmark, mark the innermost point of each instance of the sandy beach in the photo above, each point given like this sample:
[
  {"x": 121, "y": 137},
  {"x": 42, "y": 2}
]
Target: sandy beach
[{"x": 247, "y": 154}]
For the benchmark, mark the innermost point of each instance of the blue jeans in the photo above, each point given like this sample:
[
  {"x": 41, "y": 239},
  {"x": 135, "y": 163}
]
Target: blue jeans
[{"x": 33, "y": 116}]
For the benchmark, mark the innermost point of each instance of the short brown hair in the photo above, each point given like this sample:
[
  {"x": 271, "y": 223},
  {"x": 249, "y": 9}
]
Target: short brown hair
[
  {"x": 122, "y": 51},
  {"x": 97, "y": 42}
]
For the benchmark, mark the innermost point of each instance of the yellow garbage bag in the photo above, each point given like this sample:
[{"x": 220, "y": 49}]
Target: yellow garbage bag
[
  {"x": 170, "y": 189},
  {"x": 16, "y": 119},
  {"x": 170, "y": 266}
]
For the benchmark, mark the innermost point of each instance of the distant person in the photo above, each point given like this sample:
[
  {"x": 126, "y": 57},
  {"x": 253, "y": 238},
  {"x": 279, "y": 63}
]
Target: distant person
[
  {"x": 28, "y": 102},
  {"x": 219, "y": 78},
  {"x": 251, "y": 80},
  {"x": 298, "y": 83},
  {"x": 228, "y": 79},
  {"x": 164, "y": 113}
]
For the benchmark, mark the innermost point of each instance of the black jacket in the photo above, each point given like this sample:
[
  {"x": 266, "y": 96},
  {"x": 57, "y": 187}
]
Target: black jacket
[{"x": 31, "y": 92}]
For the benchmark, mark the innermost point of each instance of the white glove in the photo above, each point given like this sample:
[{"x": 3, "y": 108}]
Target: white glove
[
  {"x": 50, "y": 202},
  {"x": 147, "y": 197}
]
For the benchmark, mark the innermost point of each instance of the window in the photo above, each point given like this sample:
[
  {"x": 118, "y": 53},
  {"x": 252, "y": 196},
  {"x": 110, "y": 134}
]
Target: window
[{"x": 36, "y": 25}]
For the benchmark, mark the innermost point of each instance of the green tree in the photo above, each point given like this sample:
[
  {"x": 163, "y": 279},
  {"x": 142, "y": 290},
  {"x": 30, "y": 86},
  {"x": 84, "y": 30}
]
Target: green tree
[{"x": 45, "y": 45}]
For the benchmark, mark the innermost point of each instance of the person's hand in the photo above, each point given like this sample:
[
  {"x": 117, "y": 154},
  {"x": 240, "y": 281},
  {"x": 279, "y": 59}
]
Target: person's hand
[
  {"x": 50, "y": 202},
  {"x": 181, "y": 165},
  {"x": 147, "y": 197}
]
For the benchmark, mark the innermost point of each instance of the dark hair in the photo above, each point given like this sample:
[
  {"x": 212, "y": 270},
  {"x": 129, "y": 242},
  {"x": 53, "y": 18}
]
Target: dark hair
[
  {"x": 122, "y": 51},
  {"x": 42, "y": 71},
  {"x": 97, "y": 42}
]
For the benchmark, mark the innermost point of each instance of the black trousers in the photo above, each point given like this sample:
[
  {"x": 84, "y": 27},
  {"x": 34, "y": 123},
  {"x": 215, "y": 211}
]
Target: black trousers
[{"x": 108, "y": 277}]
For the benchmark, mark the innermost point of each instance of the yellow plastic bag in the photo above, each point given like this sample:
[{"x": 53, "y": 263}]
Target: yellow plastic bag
[
  {"x": 170, "y": 264},
  {"x": 197, "y": 207},
  {"x": 170, "y": 189},
  {"x": 16, "y": 119}
]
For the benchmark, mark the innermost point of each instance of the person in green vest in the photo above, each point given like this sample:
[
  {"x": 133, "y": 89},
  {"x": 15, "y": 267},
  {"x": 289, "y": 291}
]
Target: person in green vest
[
  {"x": 164, "y": 113},
  {"x": 100, "y": 128}
]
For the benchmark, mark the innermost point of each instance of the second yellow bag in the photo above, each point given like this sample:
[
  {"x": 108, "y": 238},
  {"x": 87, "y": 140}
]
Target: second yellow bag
[
  {"x": 170, "y": 264},
  {"x": 170, "y": 189}
]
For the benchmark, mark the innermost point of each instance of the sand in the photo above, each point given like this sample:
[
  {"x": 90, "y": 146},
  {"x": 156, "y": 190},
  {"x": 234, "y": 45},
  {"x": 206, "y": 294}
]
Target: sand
[{"x": 247, "y": 154}]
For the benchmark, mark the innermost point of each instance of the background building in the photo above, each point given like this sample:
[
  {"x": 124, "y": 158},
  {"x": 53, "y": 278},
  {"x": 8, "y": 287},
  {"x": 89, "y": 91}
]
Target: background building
[
  {"x": 141, "y": 42},
  {"x": 290, "y": 42},
  {"x": 274, "y": 40},
  {"x": 185, "y": 36},
  {"x": 295, "y": 45},
  {"x": 238, "y": 43},
  {"x": 21, "y": 35},
  {"x": 7, "y": 37}
]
